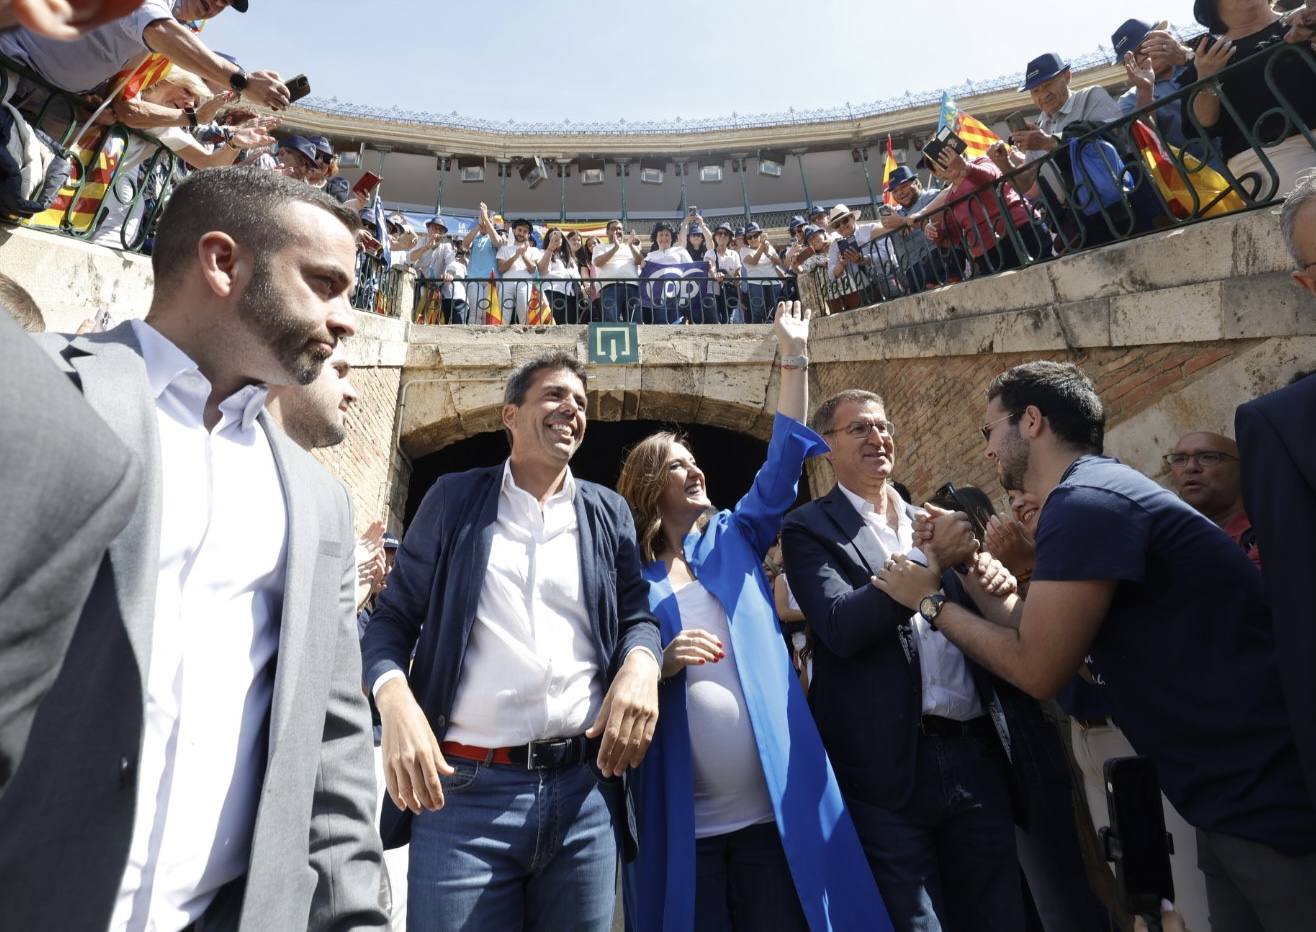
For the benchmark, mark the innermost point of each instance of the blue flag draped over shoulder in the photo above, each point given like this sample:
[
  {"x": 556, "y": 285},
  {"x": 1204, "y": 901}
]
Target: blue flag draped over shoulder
[{"x": 682, "y": 285}]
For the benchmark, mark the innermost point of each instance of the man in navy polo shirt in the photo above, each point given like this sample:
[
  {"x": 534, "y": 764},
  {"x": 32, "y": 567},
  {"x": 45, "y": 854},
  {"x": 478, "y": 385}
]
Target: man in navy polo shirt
[{"x": 1171, "y": 617}]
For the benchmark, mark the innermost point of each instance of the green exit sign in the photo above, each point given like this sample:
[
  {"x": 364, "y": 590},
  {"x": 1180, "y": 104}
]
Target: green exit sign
[{"x": 613, "y": 344}]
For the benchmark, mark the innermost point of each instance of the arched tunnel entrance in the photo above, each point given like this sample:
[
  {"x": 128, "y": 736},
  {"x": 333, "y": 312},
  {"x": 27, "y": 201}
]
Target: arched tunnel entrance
[{"x": 730, "y": 459}]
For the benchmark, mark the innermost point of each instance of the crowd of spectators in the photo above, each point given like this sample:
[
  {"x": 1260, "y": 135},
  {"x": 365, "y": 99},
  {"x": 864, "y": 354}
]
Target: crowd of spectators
[{"x": 1057, "y": 183}]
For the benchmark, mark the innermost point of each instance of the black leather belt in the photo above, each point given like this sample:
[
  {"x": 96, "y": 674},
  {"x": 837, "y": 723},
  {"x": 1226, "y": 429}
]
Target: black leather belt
[{"x": 935, "y": 726}]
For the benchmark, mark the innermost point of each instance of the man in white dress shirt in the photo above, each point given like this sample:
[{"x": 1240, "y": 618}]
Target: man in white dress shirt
[
  {"x": 534, "y": 683},
  {"x": 205, "y": 753},
  {"x": 902, "y": 713}
]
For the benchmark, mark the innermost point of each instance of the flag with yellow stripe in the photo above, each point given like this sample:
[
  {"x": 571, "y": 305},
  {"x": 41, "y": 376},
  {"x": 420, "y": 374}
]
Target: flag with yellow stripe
[
  {"x": 493, "y": 316},
  {"x": 977, "y": 137},
  {"x": 95, "y": 157},
  {"x": 888, "y": 168}
]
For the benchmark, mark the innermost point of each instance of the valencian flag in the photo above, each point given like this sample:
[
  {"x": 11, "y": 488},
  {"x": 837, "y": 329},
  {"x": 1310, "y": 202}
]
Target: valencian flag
[
  {"x": 977, "y": 137},
  {"x": 888, "y": 167},
  {"x": 537, "y": 310},
  {"x": 493, "y": 315}
]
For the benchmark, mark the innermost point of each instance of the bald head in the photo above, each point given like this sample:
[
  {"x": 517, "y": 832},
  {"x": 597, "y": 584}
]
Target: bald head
[{"x": 1204, "y": 471}]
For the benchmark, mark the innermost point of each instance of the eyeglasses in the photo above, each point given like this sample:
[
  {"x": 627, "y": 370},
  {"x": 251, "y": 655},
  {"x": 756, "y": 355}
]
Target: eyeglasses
[
  {"x": 1202, "y": 460},
  {"x": 860, "y": 430},
  {"x": 987, "y": 428}
]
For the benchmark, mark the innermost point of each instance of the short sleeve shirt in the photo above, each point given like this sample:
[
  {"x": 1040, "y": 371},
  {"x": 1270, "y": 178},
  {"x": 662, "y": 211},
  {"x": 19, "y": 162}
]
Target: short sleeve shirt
[
  {"x": 1090, "y": 105},
  {"x": 518, "y": 268},
  {"x": 621, "y": 265},
  {"x": 81, "y": 65},
  {"x": 1185, "y": 654},
  {"x": 481, "y": 262}
]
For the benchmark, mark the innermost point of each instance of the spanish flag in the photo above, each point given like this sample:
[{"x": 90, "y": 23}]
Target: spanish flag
[
  {"x": 888, "y": 167},
  {"x": 977, "y": 137},
  {"x": 493, "y": 317}
]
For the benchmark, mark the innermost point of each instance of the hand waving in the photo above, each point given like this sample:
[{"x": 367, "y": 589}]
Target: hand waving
[{"x": 791, "y": 326}]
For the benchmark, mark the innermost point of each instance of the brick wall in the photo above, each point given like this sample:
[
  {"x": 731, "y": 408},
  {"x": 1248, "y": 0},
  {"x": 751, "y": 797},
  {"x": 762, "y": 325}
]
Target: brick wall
[
  {"x": 937, "y": 404},
  {"x": 362, "y": 460}
]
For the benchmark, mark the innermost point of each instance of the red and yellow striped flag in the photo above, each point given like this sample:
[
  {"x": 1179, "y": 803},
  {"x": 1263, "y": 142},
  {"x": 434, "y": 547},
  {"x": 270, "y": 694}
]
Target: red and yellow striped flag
[
  {"x": 888, "y": 167},
  {"x": 977, "y": 137},
  {"x": 95, "y": 156},
  {"x": 537, "y": 311},
  {"x": 493, "y": 316}
]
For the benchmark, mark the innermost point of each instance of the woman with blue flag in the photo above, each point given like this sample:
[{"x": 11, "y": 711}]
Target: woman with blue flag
[{"x": 740, "y": 821}]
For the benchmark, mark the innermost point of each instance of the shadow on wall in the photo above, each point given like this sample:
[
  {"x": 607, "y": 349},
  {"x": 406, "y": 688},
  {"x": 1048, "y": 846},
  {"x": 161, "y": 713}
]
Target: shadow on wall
[{"x": 731, "y": 459}]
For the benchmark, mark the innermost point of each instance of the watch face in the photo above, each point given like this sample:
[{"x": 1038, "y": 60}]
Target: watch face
[{"x": 929, "y": 606}]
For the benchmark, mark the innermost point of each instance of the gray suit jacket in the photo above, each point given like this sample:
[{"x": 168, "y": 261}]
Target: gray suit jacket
[
  {"x": 60, "y": 509},
  {"x": 315, "y": 857}
]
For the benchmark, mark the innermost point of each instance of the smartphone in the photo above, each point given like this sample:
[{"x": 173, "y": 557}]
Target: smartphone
[
  {"x": 884, "y": 210},
  {"x": 847, "y": 242},
  {"x": 1017, "y": 122},
  {"x": 366, "y": 184},
  {"x": 692, "y": 211},
  {"x": 298, "y": 87},
  {"x": 1136, "y": 840}
]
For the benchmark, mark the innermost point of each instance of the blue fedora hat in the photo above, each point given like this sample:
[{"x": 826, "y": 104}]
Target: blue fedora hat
[
  {"x": 898, "y": 177},
  {"x": 1043, "y": 68},
  {"x": 1128, "y": 37}
]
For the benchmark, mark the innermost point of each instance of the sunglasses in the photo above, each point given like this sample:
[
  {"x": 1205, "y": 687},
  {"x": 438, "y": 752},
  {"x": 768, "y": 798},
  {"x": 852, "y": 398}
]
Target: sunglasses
[{"x": 987, "y": 428}]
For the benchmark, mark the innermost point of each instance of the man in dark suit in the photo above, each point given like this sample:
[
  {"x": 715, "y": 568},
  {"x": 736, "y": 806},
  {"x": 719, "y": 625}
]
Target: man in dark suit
[
  {"x": 203, "y": 756},
  {"x": 1277, "y": 444},
  {"x": 906, "y": 720},
  {"x": 518, "y": 588}
]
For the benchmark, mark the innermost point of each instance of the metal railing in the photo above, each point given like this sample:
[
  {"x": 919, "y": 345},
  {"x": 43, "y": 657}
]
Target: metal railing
[
  {"x": 690, "y": 299},
  {"x": 1100, "y": 185},
  {"x": 119, "y": 178},
  {"x": 379, "y": 287}
]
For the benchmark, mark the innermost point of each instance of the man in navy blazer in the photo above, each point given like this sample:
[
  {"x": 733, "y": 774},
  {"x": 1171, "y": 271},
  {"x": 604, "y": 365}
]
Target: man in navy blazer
[
  {"x": 903, "y": 715},
  {"x": 534, "y": 682},
  {"x": 1277, "y": 445}
]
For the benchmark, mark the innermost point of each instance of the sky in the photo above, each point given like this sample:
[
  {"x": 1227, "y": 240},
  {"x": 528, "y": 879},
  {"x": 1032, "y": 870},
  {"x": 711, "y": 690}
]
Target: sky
[{"x": 589, "y": 60}]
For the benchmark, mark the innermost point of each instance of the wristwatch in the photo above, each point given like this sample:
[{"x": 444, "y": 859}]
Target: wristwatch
[
  {"x": 795, "y": 362},
  {"x": 190, "y": 113},
  {"x": 930, "y": 607},
  {"x": 238, "y": 80}
]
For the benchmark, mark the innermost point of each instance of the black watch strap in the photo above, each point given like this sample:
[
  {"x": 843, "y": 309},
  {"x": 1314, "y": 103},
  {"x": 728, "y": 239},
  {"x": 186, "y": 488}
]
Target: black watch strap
[
  {"x": 191, "y": 115},
  {"x": 238, "y": 80}
]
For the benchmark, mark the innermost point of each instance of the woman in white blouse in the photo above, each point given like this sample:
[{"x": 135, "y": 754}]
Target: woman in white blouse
[
  {"x": 560, "y": 277},
  {"x": 663, "y": 250},
  {"x": 724, "y": 266},
  {"x": 761, "y": 269}
]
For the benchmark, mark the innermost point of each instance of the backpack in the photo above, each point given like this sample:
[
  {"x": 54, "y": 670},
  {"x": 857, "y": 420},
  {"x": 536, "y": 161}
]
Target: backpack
[{"x": 32, "y": 167}]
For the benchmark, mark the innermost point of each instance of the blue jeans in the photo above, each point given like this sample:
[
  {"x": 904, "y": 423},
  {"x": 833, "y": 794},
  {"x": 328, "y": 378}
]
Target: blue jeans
[
  {"x": 514, "y": 849},
  {"x": 946, "y": 859},
  {"x": 743, "y": 883},
  {"x": 763, "y": 297},
  {"x": 620, "y": 301}
]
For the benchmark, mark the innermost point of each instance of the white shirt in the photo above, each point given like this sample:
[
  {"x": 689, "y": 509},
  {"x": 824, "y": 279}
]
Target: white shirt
[
  {"x": 728, "y": 263},
  {"x": 730, "y": 792},
  {"x": 864, "y": 234},
  {"x": 214, "y": 636},
  {"x": 455, "y": 290},
  {"x": 948, "y": 689},
  {"x": 621, "y": 265},
  {"x": 433, "y": 262},
  {"x": 765, "y": 268},
  {"x": 672, "y": 255},
  {"x": 557, "y": 269},
  {"x": 530, "y": 671},
  {"x": 518, "y": 268},
  {"x": 82, "y": 64}
]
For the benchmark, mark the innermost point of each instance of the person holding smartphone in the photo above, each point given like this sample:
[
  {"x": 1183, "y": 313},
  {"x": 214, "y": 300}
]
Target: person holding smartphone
[
  {"x": 724, "y": 265},
  {"x": 560, "y": 277},
  {"x": 761, "y": 263},
  {"x": 853, "y": 266},
  {"x": 618, "y": 264},
  {"x": 482, "y": 243}
]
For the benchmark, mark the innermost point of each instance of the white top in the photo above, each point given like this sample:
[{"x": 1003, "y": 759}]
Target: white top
[
  {"x": 433, "y": 262},
  {"x": 865, "y": 233},
  {"x": 621, "y": 265},
  {"x": 730, "y": 792},
  {"x": 518, "y": 268},
  {"x": 89, "y": 60},
  {"x": 530, "y": 670},
  {"x": 455, "y": 290},
  {"x": 765, "y": 268},
  {"x": 214, "y": 637},
  {"x": 728, "y": 263},
  {"x": 948, "y": 689},
  {"x": 673, "y": 255},
  {"x": 557, "y": 269}
]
